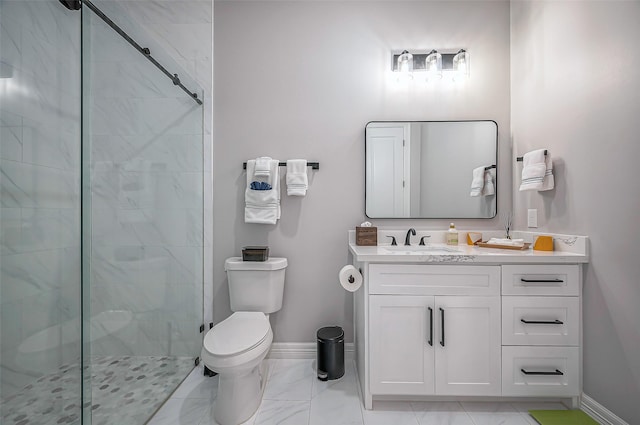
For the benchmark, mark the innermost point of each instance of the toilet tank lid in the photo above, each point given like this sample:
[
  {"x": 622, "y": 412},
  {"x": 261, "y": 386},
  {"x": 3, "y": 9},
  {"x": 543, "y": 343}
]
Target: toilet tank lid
[{"x": 273, "y": 263}]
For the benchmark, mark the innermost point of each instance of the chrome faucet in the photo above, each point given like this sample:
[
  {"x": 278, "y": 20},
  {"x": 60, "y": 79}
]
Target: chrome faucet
[{"x": 407, "y": 240}]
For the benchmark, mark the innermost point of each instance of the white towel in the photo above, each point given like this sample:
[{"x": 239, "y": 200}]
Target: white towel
[
  {"x": 297, "y": 181},
  {"x": 548, "y": 182},
  {"x": 262, "y": 206},
  {"x": 263, "y": 166},
  {"x": 477, "y": 181},
  {"x": 504, "y": 241},
  {"x": 534, "y": 170},
  {"x": 489, "y": 188}
]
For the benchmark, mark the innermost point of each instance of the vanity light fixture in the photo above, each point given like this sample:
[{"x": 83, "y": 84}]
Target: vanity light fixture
[
  {"x": 405, "y": 65},
  {"x": 432, "y": 64},
  {"x": 461, "y": 65}
]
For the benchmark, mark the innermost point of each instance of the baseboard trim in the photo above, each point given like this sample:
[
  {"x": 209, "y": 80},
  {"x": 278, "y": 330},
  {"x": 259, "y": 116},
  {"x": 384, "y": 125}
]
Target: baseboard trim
[
  {"x": 599, "y": 412},
  {"x": 303, "y": 350}
]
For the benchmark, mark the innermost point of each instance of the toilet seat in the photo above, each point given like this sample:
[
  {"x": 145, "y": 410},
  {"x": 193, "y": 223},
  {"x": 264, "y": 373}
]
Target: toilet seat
[{"x": 237, "y": 334}]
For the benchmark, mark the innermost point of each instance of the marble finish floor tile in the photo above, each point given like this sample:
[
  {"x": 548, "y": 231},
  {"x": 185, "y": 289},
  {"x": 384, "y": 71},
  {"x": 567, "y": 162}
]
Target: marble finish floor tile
[
  {"x": 283, "y": 412},
  {"x": 334, "y": 402},
  {"x": 441, "y": 413},
  {"x": 290, "y": 379},
  {"x": 397, "y": 413},
  {"x": 180, "y": 411}
]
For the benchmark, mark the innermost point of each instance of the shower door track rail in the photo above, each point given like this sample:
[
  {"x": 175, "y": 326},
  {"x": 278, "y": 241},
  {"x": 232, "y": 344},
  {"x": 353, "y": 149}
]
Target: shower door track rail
[{"x": 145, "y": 51}]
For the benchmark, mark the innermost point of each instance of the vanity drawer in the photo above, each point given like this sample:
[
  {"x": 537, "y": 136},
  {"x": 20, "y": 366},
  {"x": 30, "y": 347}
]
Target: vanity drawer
[
  {"x": 540, "y": 321},
  {"x": 540, "y": 371},
  {"x": 560, "y": 280},
  {"x": 419, "y": 279}
]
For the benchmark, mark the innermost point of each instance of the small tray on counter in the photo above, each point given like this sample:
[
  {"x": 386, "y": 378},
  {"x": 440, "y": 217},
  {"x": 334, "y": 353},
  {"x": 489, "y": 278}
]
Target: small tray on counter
[{"x": 493, "y": 245}]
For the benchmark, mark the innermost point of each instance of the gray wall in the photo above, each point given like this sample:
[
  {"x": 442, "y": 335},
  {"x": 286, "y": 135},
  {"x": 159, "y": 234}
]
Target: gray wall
[
  {"x": 301, "y": 80},
  {"x": 575, "y": 91}
]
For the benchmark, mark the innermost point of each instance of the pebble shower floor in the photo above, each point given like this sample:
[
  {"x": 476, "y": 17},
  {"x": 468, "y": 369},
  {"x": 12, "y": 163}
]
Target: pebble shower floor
[{"x": 141, "y": 382}]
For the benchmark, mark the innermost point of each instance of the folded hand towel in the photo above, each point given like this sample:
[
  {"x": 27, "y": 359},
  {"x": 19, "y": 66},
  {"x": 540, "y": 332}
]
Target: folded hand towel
[
  {"x": 297, "y": 181},
  {"x": 477, "y": 181},
  {"x": 263, "y": 166},
  {"x": 533, "y": 170},
  {"x": 262, "y": 206},
  {"x": 504, "y": 241},
  {"x": 489, "y": 188}
]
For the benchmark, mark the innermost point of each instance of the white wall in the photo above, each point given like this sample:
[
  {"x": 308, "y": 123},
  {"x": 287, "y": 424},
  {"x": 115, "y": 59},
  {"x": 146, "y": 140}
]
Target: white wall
[
  {"x": 301, "y": 80},
  {"x": 575, "y": 91}
]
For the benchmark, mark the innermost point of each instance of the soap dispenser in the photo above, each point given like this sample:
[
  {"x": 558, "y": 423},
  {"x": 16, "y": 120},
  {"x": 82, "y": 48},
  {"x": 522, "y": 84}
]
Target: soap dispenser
[{"x": 452, "y": 235}]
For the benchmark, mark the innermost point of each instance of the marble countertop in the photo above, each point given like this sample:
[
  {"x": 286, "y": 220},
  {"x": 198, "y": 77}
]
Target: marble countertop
[{"x": 437, "y": 253}]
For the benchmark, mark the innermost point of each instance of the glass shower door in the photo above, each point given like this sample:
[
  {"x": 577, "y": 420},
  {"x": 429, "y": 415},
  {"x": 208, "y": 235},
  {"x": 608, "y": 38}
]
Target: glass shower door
[{"x": 143, "y": 138}]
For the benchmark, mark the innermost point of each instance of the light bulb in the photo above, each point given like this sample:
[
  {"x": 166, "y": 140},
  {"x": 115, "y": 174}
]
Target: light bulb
[
  {"x": 461, "y": 65},
  {"x": 405, "y": 66},
  {"x": 433, "y": 65}
]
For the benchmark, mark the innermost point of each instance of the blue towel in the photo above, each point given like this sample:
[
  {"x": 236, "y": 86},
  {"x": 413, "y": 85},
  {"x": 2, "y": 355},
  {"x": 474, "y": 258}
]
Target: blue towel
[{"x": 260, "y": 186}]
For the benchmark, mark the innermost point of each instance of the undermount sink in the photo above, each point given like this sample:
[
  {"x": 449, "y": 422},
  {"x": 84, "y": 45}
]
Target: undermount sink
[{"x": 418, "y": 249}]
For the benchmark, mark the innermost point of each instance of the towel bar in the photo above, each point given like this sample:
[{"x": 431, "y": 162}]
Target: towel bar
[
  {"x": 313, "y": 165},
  {"x": 519, "y": 159}
]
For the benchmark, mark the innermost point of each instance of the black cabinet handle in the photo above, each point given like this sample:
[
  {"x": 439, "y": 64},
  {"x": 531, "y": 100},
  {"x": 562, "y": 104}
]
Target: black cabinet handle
[
  {"x": 526, "y": 372},
  {"x": 430, "y": 342},
  {"x": 442, "y": 324},
  {"x": 541, "y": 280},
  {"x": 542, "y": 322}
]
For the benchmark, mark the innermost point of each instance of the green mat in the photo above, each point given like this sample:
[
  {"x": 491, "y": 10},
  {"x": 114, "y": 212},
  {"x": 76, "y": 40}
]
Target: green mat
[{"x": 562, "y": 417}]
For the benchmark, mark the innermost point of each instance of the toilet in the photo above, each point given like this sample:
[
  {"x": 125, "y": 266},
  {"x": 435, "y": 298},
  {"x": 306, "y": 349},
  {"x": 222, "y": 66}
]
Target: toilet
[{"x": 236, "y": 347}]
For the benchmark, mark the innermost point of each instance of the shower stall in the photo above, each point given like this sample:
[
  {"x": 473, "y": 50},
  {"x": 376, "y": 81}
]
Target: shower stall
[{"x": 102, "y": 178}]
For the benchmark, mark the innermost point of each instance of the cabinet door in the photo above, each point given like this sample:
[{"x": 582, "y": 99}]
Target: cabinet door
[
  {"x": 468, "y": 347},
  {"x": 401, "y": 344}
]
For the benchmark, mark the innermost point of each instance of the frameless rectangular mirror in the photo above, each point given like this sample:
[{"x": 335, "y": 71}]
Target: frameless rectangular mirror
[{"x": 424, "y": 169}]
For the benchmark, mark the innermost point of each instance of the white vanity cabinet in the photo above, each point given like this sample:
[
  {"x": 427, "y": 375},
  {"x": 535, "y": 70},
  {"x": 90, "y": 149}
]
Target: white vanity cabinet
[
  {"x": 441, "y": 323},
  {"x": 480, "y": 323},
  {"x": 426, "y": 337}
]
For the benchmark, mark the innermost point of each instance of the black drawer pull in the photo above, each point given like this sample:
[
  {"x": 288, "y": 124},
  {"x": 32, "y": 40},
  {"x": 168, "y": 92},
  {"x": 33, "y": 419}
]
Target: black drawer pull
[
  {"x": 430, "y": 342},
  {"x": 526, "y": 372},
  {"x": 542, "y": 322},
  {"x": 442, "y": 323},
  {"x": 541, "y": 280}
]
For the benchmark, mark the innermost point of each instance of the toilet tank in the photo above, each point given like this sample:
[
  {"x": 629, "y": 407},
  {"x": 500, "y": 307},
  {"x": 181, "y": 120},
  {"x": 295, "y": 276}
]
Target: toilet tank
[{"x": 256, "y": 285}]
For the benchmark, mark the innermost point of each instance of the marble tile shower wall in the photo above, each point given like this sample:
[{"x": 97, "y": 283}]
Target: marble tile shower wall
[
  {"x": 39, "y": 190},
  {"x": 149, "y": 177}
]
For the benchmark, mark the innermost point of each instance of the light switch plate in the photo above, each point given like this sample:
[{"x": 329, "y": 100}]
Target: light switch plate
[{"x": 532, "y": 217}]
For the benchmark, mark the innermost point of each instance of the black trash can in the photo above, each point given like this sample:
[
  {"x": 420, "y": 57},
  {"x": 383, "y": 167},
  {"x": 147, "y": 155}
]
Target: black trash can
[{"x": 330, "y": 353}]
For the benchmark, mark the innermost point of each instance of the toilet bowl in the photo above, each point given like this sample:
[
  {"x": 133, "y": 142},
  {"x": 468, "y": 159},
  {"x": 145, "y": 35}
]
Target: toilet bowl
[{"x": 236, "y": 347}]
